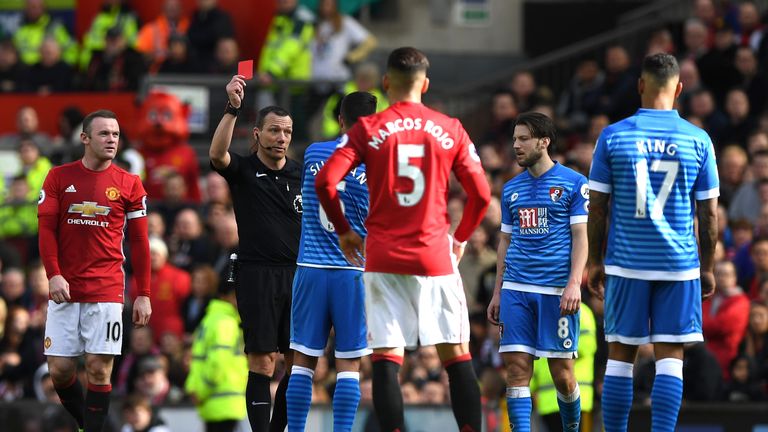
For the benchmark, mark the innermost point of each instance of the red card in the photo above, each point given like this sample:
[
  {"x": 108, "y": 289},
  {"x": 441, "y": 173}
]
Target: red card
[{"x": 245, "y": 68}]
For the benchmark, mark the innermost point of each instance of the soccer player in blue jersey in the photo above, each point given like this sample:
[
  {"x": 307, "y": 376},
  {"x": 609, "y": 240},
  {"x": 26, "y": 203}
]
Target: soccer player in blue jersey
[
  {"x": 328, "y": 290},
  {"x": 658, "y": 173},
  {"x": 541, "y": 257}
]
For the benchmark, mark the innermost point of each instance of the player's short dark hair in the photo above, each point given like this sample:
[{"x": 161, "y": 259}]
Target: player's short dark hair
[
  {"x": 272, "y": 109},
  {"x": 408, "y": 61},
  {"x": 661, "y": 66},
  {"x": 102, "y": 113},
  {"x": 356, "y": 105},
  {"x": 540, "y": 126}
]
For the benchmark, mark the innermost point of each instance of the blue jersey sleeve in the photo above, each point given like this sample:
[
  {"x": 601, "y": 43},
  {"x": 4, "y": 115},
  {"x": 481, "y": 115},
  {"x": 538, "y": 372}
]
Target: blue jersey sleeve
[
  {"x": 707, "y": 184},
  {"x": 600, "y": 177},
  {"x": 579, "y": 201},
  {"x": 506, "y": 215}
]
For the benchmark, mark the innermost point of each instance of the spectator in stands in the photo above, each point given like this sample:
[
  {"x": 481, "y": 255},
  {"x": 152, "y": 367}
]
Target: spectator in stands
[
  {"x": 725, "y": 316},
  {"x": 226, "y": 239},
  {"x": 716, "y": 66},
  {"x": 20, "y": 355},
  {"x": 732, "y": 166},
  {"x": 757, "y": 141},
  {"x": 114, "y": 16},
  {"x": 661, "y": 42},
  {"x": 478, "y": 256},
  {"x": 748, "y": 77},
  {"x": 204, "y": 283},
  {"x": 581, "y": 99},
  {"x": 141, "y": 345},
  {"x": 695, "y": 40},
  {"x": 117, "y": 67},
  {"x": 139, "y": 416},
  {"x": 12, "y": 71},
  {"x": 174, "y": 200},
  {"x": 619, "y": 97},
  {"x": 702, "y": 377},
  {"x": 3, "y": 316},
  {"x": 226, "y": 57},
  {"x": 339, "y": 41},
  {"x": 744, "y": 385},
  {"x": 189, "y": 246},
  {"x": 216, "y": 189},
  {"x": 36, "y": 25},
  {"x": 525, "y": 91},
  {"x": 38, "y": 287},
  {"x": 702, "y": 105},
  {"x": 66, "y": 145},
  {"x": 13, "y": 288},
  {"x": 755, "y": 343},
  {"x": 156, "y": 224},
  {"x": 503, "y": 114},
  {"x": 169, "y": 287},
  {"x": 689, "y": 76},
  {"x": 152, "y": 382},
  {"x": 704, "y": 11},
  {"x": 740, "y": 122},
  {"x": 759, "y": 255},
  {"x": 18, "y": 214},
  {"x": 51, "y": 73},
  {"x": 172, "y": 349},
  {"x": 27, "y": 124},
  {"x": 209, "y": 24},
  {"x": 367, "y": 79},
  {"x": 34, "y": 167},
  {"x": 286, "y": 53},
  {"x": 153, "y": 37},
  {"x": 749, "y": 22},
  {"x": 180, "y": 59},
  {"x": 746, "y": 202}
]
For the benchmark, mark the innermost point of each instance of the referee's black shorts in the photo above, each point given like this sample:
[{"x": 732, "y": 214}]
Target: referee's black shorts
[{"x": 264, "y": 302}]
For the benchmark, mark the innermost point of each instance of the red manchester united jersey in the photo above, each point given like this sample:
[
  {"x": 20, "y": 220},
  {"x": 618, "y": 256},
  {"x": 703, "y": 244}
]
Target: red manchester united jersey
[
  {"x": 92, "y": 208},
  {"x": 409, "y": 152}
]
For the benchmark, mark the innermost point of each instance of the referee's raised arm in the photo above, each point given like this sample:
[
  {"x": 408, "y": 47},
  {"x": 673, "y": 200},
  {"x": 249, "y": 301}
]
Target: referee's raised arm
[{"x": 219, "y": 151}]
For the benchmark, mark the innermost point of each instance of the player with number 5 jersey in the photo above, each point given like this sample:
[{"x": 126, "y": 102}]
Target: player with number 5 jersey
[
  {"x": 413, "y": 293},
  {"x": 657, "y": 173}
]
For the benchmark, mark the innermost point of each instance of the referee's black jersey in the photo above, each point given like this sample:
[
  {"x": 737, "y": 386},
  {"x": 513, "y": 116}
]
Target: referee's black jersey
[{"x": 267, "y": 208}]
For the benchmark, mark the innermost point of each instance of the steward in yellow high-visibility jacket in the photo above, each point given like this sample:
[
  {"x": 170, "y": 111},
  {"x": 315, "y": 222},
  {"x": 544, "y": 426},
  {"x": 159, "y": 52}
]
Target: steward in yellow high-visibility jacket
[
  {"x": 117, "y": 16},
  {"x": 218, "y": 373},
  {"x": 34, "y": 29},
  {"x": 584, "y": 369},
  {"x": 286, "y": 53}
]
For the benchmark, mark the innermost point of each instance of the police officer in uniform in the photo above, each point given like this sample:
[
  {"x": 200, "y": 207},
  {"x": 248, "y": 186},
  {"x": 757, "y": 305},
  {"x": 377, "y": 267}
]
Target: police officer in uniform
[{"x": 266, "y": 194}]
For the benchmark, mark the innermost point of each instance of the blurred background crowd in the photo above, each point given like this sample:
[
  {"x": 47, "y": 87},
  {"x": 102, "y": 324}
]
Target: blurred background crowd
[{"x": 723, "y": 53}]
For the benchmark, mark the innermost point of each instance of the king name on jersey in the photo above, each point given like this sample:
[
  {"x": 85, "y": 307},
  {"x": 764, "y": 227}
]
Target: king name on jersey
[
  {"x": 412, "y": 124},
  {"x": 656, "y": 146}
]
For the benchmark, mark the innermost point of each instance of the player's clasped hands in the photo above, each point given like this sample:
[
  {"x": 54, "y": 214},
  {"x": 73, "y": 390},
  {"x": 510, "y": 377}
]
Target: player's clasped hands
[
  {"x": 236, "y": 90},
  {"x": 59, "y": 289},
  {"x": 353, "y": 248}
]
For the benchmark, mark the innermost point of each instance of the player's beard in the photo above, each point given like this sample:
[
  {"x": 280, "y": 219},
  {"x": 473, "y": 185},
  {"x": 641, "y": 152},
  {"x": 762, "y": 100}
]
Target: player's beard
[{"x": 532, "y": 158}]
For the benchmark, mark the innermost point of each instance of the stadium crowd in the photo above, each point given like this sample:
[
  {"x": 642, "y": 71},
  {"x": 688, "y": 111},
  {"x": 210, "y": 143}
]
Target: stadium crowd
[{"x": 723, "y": 55}]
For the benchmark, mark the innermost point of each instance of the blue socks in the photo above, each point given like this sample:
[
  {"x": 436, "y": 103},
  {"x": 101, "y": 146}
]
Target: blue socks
[
  {"x": 345, "y": 400},
  {"x": 617, "y": 395},
  {"x": 570, "y": 410},
  {"x": 666, "y": 394},
  {"x": 299, "y": 397},
  {"x": 519, "y": 407}
]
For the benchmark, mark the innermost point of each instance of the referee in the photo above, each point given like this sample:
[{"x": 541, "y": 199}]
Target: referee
[{"x": 266, "y": 193}]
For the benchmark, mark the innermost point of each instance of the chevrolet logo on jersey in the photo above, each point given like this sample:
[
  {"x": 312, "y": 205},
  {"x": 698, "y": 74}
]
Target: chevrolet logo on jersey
[{"x": 89, "y": 209}]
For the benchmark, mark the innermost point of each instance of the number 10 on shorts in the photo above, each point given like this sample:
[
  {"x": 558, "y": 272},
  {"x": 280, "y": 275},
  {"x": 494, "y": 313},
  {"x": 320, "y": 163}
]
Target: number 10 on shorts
[{"x": 114, "y": 329}]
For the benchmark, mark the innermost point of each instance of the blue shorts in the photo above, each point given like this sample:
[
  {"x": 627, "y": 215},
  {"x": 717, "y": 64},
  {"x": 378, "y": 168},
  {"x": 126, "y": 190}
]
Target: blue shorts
[
  {"x": 323, "y": 298},
  {"x": 638, "y": 311},
  {"x": 531, "y": 323}
]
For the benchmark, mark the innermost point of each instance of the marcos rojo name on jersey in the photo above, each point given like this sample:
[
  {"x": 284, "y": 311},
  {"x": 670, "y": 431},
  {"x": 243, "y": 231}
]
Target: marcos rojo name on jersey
[
  {"x": 88, "y": 209},
  {"x": 411, "y": 124}
]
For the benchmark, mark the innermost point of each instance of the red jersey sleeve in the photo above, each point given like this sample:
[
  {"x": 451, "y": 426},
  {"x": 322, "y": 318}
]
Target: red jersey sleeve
[
  {"x": 349, "y": 153},
  {"x": 471, "y": 175},
  {"x": 138, "y": 237},
  {"x": 48, "y": 221}
]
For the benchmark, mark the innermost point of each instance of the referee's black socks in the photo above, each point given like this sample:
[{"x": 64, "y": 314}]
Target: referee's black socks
[
  {"x": 258, "y": 401},
  {"x": 71, "y": 396},
  {"x": 465, "y": 393},
  {"x": 387, "y": 397}
]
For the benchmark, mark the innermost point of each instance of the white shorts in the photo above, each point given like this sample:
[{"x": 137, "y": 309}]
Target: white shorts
[
  {"x": 408, "y": 310},
  {"x": 72, "y": 329}
]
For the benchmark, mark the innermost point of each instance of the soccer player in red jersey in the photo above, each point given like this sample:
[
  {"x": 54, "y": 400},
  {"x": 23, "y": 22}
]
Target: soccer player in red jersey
[
  {"x": 82, "y": 211},
  {"x": 412, "y": 286}
]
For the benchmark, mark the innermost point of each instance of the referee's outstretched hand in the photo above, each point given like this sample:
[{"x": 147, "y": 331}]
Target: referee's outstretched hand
[
  {"x": 353, "y": 247},
  {"x": 596, "y": 281},
  {"x": 236, "y": 90}
]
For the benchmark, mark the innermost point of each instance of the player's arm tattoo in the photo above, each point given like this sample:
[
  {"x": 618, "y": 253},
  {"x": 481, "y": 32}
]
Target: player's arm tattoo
[
  {"x": 596, "y": 226},
  {"x": 706, "y": 211}
]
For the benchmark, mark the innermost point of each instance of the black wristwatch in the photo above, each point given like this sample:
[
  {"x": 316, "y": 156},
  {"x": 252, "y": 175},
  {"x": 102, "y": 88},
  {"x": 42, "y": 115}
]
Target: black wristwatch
[{"x": 232, "y": 110}]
